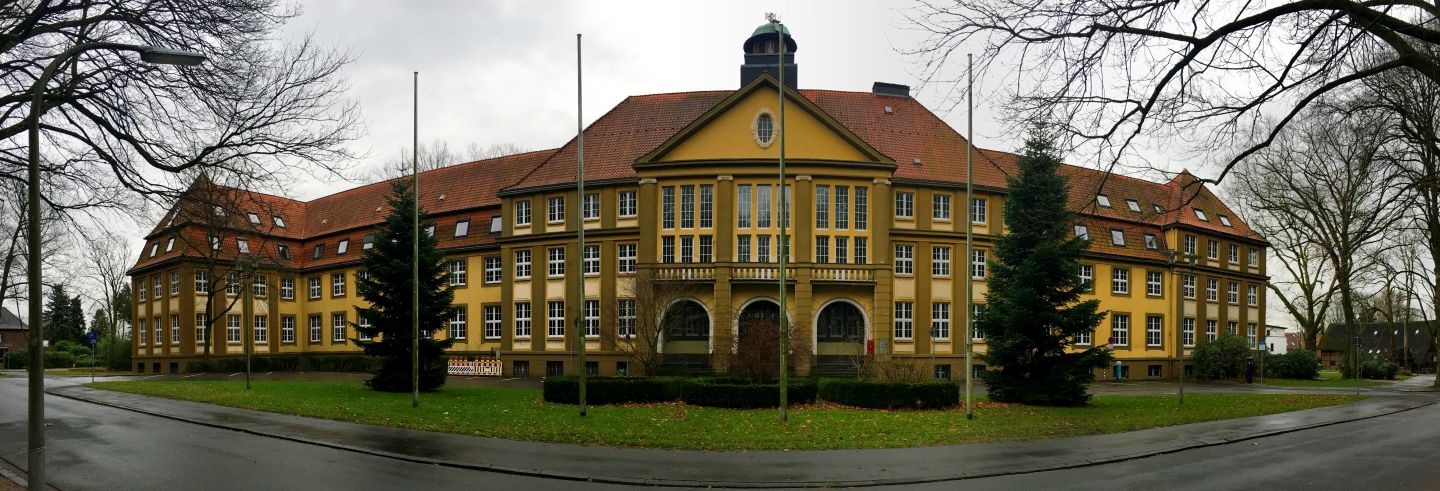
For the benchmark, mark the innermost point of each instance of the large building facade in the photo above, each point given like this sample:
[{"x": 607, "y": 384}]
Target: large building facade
[{"x": 682, "y": 215}]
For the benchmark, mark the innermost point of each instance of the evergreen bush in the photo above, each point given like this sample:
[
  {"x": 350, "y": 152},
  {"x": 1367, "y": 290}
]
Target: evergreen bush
[
  {"x": 722, "y": 393},
  {"x": 1298, "y": 364},
  {"x": 889, "y": 395},
  {"x": 1221, "y": 359},
  {"x": 17, "y": 359},
  {"x": 612, "y": 390}
]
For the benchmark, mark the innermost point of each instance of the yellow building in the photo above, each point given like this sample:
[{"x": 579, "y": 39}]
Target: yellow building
[{"x": 682, "y": 194}]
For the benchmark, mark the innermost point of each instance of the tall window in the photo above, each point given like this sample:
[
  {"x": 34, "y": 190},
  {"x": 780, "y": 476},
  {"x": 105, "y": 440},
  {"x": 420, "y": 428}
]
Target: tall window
[
  {"x": 314, "y": 287},
  {"x": 975, "y": 310},
  {"x": 492, "y": 321},
  {"x": 1153, "y": 286},
  {"x": 1120, "y": 329},
  {"x": 556, "y": 263},
  {"x": 1212, "y": 287},
  {"x": 822, "y": 206},
  {"x": 492, "y": 269},
  {"x": 522, "y": 264},
  {"x": 364, "y": 323},
  {"x": 762, "y": 248},
  {"x": 590, "y": 206},
  {"x": 667, "y": 207},
  {"x": 287, "y": 329},
  {"x": 458, "y": 328},
  {"x": 232, "y": 328},
  {"x": 742, "y": 248},
  {"x": 862, "y": 250},
  {"x": 555, "y": 209},
  {"x": 1190, "y": 245},
  {"x": 1210, "y": 330},
  {"x": 1212, "y": 251},
  {"x": 667, "y": 249},
  {"x": 590, "y": 261},
  {"x": 687, "y": 206},
  {"x": 1120, "y": 280},
  {"x": 458, "y": 275},
  {"x": 232, "y": 284},
  {"x": 1230, "y": 327},
  {"x": 940, "y": 261},
  {"x": 202, "y": 330},
  {"x": 862, "y": 208},
  {"x": 259, "y": 286},
  {"x": 1085, "y": 338},
  {"x": 904, "y": 320},
  {"x": 904, "y": 259},
  {"x": 842, "y": 250},
  {"x": 628, "y": 204},
  {"x": 707, "y": 249},
  {"x": 744, "y": 204},
  {"x": 625, "y": 318},
  {"x": 822, "y": 249},
  {"x": 707, "y": 206},
  {"x": 315, "y": 328},
  {"x": 1187, "y": 285},
  {"x": 261, "y": 330},
  {"x": 522, "y": 213},
  {"x": 626, "y": 257},
  {"x": 337, "y": 284},
  {"x": 1233, "y": 293},
  {"x": 687, "y": 248},
  {"x": 202, "y": 282},
  {"x": 977, "y": 263},
  {"x": 1250, "y": 335},
  {"x": 940, "y": 320},
  {"x": 1254, "y": 257},
  {"x": 1234, "y": 253},
  {"x": 174, "y": 283},
  {"x": 337, "y": 327},
  {"x": 977, "y": 210},
  {"x": 762, "y": 206},
  {"x": 941, "y": 205},
  {"x": 287, "y": 288},
  {"x": 140, "y": 332},
  {"x": 1087, "y": 277},
  {"x": 555, "y": 320},
  {"x": 1252, "y": 296},
  {"x": 904, "y": 204},
  {"x": 158, "y": 292},
  {"x": 1153, "y": 325},
  {"x": 175, "y": 329},
  {"x": 842, "y": 207},
  {"x": 1187, "y": 332},
  {"x": 522, "y": 319},
  {"x": 591, "y": 316}
]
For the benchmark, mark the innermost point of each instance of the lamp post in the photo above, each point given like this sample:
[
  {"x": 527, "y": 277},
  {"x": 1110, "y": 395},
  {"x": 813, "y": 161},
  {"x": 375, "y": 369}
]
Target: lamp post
[
  {"x": 36, "y": 434},
  {"x": 1173, "y": 257}
]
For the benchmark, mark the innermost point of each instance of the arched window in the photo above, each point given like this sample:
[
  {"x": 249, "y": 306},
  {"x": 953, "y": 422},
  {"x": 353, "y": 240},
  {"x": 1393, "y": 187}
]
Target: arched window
[
  {"x": 686, "y": 320},
  {"x": 840, "y": 322}
]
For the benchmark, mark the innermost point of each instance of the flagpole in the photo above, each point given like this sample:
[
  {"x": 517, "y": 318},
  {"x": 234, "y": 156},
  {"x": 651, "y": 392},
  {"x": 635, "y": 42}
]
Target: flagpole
[
  {"x": 784, "y": 210},
  {"x": 970, "y": 238},
  {"x": 415, "y": 250},
  {"x": 580, "y": 218}
]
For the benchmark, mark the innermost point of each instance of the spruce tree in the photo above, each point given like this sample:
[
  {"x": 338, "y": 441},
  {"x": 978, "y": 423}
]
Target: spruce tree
[
  {"x": 1033, "y": 310},
  {"x": 388, "y": 290}
]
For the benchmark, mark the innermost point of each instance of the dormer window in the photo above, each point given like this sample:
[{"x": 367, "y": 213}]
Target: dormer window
[
  {"x": 1199, "y": 213},
  {"x": 1134, "y": 205},
  {"x": 496, "y": 225},
  {"x": 367, "y": 242},
  {"x": 283, "y": 250},
  {"x": 279, "y": 222},
  {"x": 1117, "y": 237},
  {"x": 1150, "y": 242},
  {"x": 219, "y": 211},
  {"x": 462, "y": 228},
  {"x": 342, "y": 247},
  {"x": 1224, "y": 220},
  {"x": 430, "y": 230},
  {"x": 1103, "y": 200},
  {"x": 153, "y": 248},
  {"x": 243, "y": 245},
  {"x": 1159, "y": 209},
  {"x": 319, "y": 251},
  {"x": 214, "y": 242},
  {"x": 254, "y": 219},
  {"x": 1081, "y": 231}
]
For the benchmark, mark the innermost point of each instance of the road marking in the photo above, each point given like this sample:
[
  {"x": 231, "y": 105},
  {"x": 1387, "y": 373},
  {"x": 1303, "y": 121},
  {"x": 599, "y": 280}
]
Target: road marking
[
  {"x": 234, "y": 374},
  {"x": 193, "y": 375}
]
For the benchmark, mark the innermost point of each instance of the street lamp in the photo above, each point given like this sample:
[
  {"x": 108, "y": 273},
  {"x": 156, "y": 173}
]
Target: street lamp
[
  {"x": 1173, "y": 257},
  {"x": 36, "y": 451}
]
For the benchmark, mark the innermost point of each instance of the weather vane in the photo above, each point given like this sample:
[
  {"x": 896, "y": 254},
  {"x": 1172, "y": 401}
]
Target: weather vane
[{"x": 772, "y": 17}]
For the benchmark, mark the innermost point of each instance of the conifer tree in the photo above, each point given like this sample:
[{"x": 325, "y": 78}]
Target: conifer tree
[
  {"x": 388, "y": 290},
  {"x": 1033, "y": 310}
]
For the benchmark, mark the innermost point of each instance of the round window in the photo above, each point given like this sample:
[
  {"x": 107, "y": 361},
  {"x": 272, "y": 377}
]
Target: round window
[{"x": 764, "y": 128}]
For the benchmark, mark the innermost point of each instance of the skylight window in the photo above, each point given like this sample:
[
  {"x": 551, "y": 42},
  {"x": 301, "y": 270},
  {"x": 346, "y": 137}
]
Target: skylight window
[
  {"x": 214, "y": 242},
  {"x": 154, "y": 247},
  {"x": 1225, "y": 220},
  {"x": 283, "y": 250},
  {"x": 170, "y": 245},
  {"x": 319, "y": 250},
  {"x": 496, "y": 225},
  {"x": 1134, "y": 205},
  {"x": 1199, "y": 213},
  {"x": 254, "y": 219},
  {"x": 367, "y": 242},
  {"x": 1082, "y": 231},
  {"x": 462, "y": 228},
  {"x": 1103, "y": 200},
  {"x": 1159, "y": 209},
  {"x": 243, "y": 245},
  {"x": 1150, "y": 242},
  {"x": 279, "y": 222},
  {"x": 219, "y": 211},
  {"x": 343, "y": 246},
  {"x": 1117, "y": 237}
]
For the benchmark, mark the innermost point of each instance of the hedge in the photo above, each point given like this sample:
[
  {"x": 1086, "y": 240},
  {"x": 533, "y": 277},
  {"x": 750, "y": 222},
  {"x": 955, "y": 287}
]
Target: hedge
[
  {"x": 612, "y": 390},
  {"x": 1297, "y": 364},
  {"x": 889, "y": 395},
  {"x": 725, "y": 393},
  {"x": 287, "y": 363}
]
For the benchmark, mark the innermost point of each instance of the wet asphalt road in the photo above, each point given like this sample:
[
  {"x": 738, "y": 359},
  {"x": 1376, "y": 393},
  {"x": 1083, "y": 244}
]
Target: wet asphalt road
[{"x": 98, "y": 447}]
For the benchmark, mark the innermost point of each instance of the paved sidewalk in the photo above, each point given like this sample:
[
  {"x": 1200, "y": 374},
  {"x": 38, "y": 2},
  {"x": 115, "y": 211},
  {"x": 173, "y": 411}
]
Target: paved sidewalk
[{"x": 827, "y": 468}]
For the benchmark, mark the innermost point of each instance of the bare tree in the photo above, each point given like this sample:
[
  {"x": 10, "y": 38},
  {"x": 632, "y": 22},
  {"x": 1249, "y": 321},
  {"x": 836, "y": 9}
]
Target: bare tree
[
  {"x": 1308, "y": 290},
  {"x": 1332, "y": 184},
  {"x": 437, "y": 154},
  {"x": 651, "y": 299},
  {"x": 1111, "y": 72},
  {"x": 108, "y": 261},
  {"x": 474, "y": 151}
]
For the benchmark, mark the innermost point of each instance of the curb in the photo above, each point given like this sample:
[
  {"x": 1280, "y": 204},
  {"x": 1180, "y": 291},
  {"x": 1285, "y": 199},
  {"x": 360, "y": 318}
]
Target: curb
[{"x": 621, "y": 480}]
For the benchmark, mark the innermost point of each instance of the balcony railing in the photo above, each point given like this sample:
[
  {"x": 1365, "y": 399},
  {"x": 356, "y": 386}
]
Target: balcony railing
[
  {"x": 752, "y": 273},
  {"x": 829, "y": 273},
  {"x": 842, "y": 273},
  {"x": 684, "y": 273}
]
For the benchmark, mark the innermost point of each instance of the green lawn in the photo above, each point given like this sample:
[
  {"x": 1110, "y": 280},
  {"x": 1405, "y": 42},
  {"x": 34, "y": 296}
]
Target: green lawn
[
  {"x": 521, "y": 414},
  {"x": 1328, "y": 378}
]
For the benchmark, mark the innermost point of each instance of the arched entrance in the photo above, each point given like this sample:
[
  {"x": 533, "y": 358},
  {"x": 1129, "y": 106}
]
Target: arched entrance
[
  {"x": 840, "y": 329},
  {"x": 758, "y": 313},
  {"x": 685, "y": 328}
]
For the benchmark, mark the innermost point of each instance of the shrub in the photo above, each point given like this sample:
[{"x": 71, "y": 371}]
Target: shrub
[
  {"x": 59, "y": 359},
  {"x": 612, "y": 390},
  {"x": 114, "y": 352},
  {"x": 17, "y": 359},
  {"x": 1371, "y": 368},
  {"x": 1298, "y": 364},
  {"x": 286, "y": 363},
  {"x": 889, "y": 395},
  {"x": 727, "y": 393},
  {"x": 1221, "y": 359}
]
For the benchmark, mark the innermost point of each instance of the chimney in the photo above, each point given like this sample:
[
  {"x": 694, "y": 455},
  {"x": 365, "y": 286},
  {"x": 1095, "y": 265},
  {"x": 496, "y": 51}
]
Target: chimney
[{"x": 885, "y": 88}]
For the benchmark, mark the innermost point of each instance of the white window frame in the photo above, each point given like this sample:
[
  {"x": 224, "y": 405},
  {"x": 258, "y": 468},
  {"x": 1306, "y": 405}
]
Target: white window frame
[
  {"x": 1154, "y": 283},
  {"x": 628, "y": 204},
  {"x": 555, "y": 209},
  {"x": 626, "y": 257},
  {"x": 940, "y": 261},
  {"x": 625, "y": 318},
  {"x": 905, "y": 205},
  {"x": 458, "y": 325},
  {"x": 494, "y": 321},
  {"x": 555, "y": 319},
  {"x": 590, "y": 317},
  {"x": 977, "y": 264},
  {"x": 940, "y": 207},
  {"x": 522, "y": 213},
  {"x": 494, "y": 270},
  {"x": 555, "y": 262},
  {"x": 1120, "y": 281},
  {"x": 590, "y": 206},
  {"x": 590, "y": 260},
  {"x": 459, "y": 275},
  {"x": 940, "y": 319},
  {"x": 287, "y": 288},
  {"x": 317, "y": 328},
  {"x": 522, "y": 264},
  {"x": 338, "y": 327},
  {"x": 315, "y": 290},
  {"x": 1120, "y": 329},
  {"x": 337, "y": 284},
  {"x": 523, "y": 316},
  {"x": 904, "y": 320},
  {"x": 287, "y": 329}
]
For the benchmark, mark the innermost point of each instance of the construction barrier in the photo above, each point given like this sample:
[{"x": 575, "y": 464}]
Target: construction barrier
[{"x": 475, "y": 366}]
